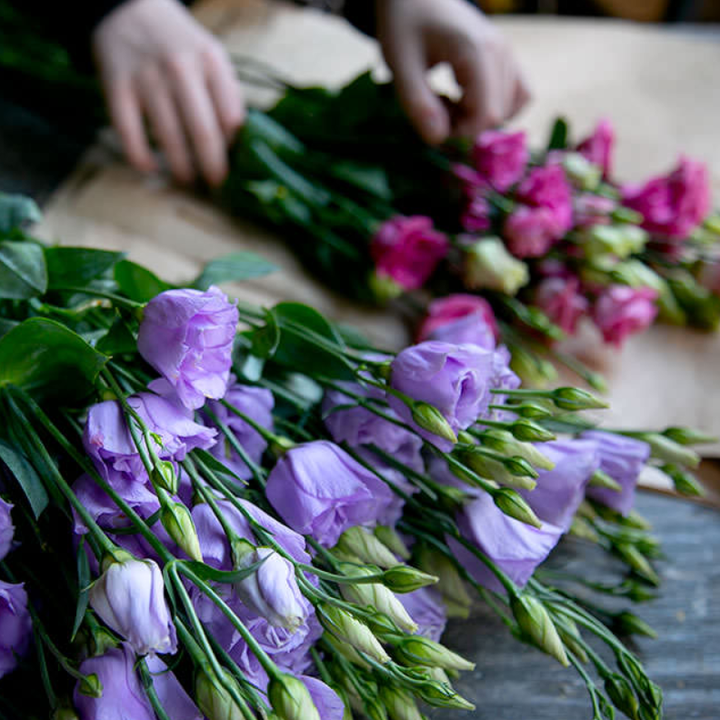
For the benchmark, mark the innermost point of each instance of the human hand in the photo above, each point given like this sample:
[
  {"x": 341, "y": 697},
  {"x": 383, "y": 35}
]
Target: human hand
[
  {"x": 416, "y": 35},
  {"x": 157, "y": 62}
]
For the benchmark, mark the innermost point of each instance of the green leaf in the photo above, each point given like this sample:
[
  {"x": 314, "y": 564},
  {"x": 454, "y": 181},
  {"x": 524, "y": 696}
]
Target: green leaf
[
  {"x": 233, "y": 268},
  {"x": 370, "y": 178},
  {"x": 118, "y": 339},
  {"x": 137, "y": 282},
  {"x": 559, "y": 135},
  {"x": 83, "y": 571},
  {"x": 76, "y": 266},
  {"x": 16, "y": 210},
  {"x": 49, "y": 361},
  {"x": 7, "y": 325},
  {"x": 23, "y": 273},
  {"x": 265, "y": 339},
  {"x": 215, "y": 465},
  {"x": 26, "y": 477}
]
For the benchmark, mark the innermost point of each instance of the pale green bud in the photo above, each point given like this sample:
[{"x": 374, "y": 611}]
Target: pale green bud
[
  {"x": 359, "y": 543},
  {"x": 63, "y": 712},
  {"x": 406, "y": 579},
  {"x": 601, "y": 479},
  {"x": 290, "y": 699},
  {"x": 163, "y": 475},
  {"x": 621, "y": 694},
  {"x": 345, "y": 627},
  {"x": 418, "y": 650},
  {"x": 684, "y": 482},
  {"x": 712, "y": 223},
  {"x": 688, "y": 436},
  {"x": 377, "y": 596},
  {"x": 505, "y": 442},
  {"x": 441, "y": 695},
  {"x": 178, "y": 522},
  {"x": 627, "y": 623},
  {"x": 384, "y": 288},
  {"x": 514, "y": 505},
  {"x": 537, "y": 626},
  {"x": 663, "y": 448},
  {"x": 492, "y": 469},
  {"x": 637, "y": 561},
  {"x": 581, "y": 172},
  {"x": 400, "y": 704},
  {"x": 529, "y": 431},
  {"x": 213, "y": 699},
  {"x": 391, "y": 539},
  {"x": 571, "y": 639},
  {"x": 619, "y": 241},
  {"x": 570, "y": 398},
  {"x": 450, "y": 583},
  {"x": 429, "y": 418},
  {"x": 280, "y": 445},
  {"x": 531, "y": 369},
  {"x": 581, "y": 528},
  {"x": 91, "y": 686},
  {"x": 487, "y": 265},
  {"x": 347, "y": 651}
]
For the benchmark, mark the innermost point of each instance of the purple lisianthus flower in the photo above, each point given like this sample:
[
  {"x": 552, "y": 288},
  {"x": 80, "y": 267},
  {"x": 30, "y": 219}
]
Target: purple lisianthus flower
[
  {"x": 7, "y": 529},
  {"x": 516, "y": 548},
  {"x": 503, "y": 378},
  {"x": 129, "y": 597},
  {"x": 328, "y": 703},
  {"x": 108, "y": 441},
  {"x": 359, "y": 426},
  {"x": 257, "y": 403},
  {"x": 622, "y": 458},
  {"x": 455, "y": 379},
  {"x": 187, "y": 336},
  {"x": 560, "y": 491},
  {"x": 426, "y": 608},
  {"x": 171, "y": 694},
  {"x": 319, "y": 490},
  {"x": 15, "y": 625}
]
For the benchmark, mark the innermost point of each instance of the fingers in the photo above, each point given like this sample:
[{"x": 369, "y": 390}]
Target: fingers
[
  {"x": 126, "y": 115},
  {"x": 225, "y": 92}
]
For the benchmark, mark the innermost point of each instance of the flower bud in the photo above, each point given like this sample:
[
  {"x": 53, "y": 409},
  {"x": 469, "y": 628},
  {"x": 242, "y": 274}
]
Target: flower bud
[
  {"x": 406, "y": 579},
  {"x": 442, "y": 695},
  {"x": 584, "y": 174},
  {"x": 621, "y": 694},
  {"x": 290, "y": 699},
  {"x": 663, "y": 448},
  {"x": 688, "y": 436},
  {"x": 627, "y": 623},
  {"x": 91, "y": 686},
  {"x": 637, "y": 561},
  {"x": 356, "y": 542},
  {"x": 345, "y": 627},
  {"x": 581, "y": 528},
  {"x": 487, "y": 265},
  {"x": 505, "y": 442},
  {"x": 603, "y": 480},
  {"x": 619, "y": 241},
  {"x": 391, "y": 539},
  {"x": 513, "y": 505},
  {"x": 570, "y": 398},
  {"x": 279, "y": 445},
  {"x": 570, "y": 638},
  {"x": 532, "y": 411},
  {"x": 537, "y": 626},
  {"x": 527, "y": 431},
  {"x": 377, "y": 596},
  {"x": 384, "y": 288},
  {"x": 178, "y": 522},
  {"x": 624, "y": 214},
  {"x": 64, "y": 712},
  {"x": 531, "y": 369},
  {"x": 418, "y": 650},
  {"x": 489, "y": 468},
  {"x": 213, "y": 699},
  {"x": 400, "y": 703},
  {"x": 346, "y": 651},
  {"x": 451, "y": 585},
  {"x": 684, "y": 482},
  {"x": 163, "y": 475},
  {"x": 429, "y": 418}
]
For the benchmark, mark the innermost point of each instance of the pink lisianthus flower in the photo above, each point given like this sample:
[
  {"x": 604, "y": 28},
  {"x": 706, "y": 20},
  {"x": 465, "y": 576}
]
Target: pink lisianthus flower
[
  {"x": 590, "y": 209},
  {"x": 407, "y": 250},
  {"x": 547, "y": 187},
  {"x": 530, "y": 231},
  {"x": 479, "y": 325},
  {"x": 673, "y": 205},
  {"x": 562, "y": 302},
  {"x": 598, "y": 147},
  {"x": 621, "y": 311},
  {"x": 500, "y": 157},
  {"x": 476, "y": 216}
]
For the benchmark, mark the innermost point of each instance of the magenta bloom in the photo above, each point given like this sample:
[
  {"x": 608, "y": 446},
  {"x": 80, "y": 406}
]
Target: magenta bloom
[
  {"x": 529, "y": 231},
  {"x": 257, "y": 403},
  {"x": 7, "y": 530},
  {"x": 622, "y": 458},
  {"x": 621, "y": 311},
  {"x": 500, "y": 157},
  {"x": 328, "y": 703},
  {"x": 598, "y": 148},
  {"x": 426, "y": 608},
  {"x": 476, "y": 215},
  {"x": 407, "y": 250},
  {"x": 108, "y": 441},
  {"x": 560, "y": 299},
  {"x": 15, "y": 625},
  {"x": 319, "y": 490},
  {"x": 358, "y": 426},
  {"x": 560, "y": 491},
  {"x": 456, "y": 379},
  {"x": 187, "y": 336},
  {"x": 516, "y": 548},
  {"x": 592, "y": 210},
  {"x": 673, "y": 205},
  {"x": 460, "y": 318}
]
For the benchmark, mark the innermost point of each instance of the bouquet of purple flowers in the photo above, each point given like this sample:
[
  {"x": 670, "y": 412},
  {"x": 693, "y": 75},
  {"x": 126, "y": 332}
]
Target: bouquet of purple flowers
[{"x": 215, "y": 510}]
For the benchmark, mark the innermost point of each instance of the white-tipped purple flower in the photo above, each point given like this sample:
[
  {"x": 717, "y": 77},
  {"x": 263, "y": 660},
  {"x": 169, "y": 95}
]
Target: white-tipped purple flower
[
  {"x": 15, "y": 625},
  {"x": 319, "y": 490},
  {"x": 129, "y": 597},
  {"x": 454, "y": 379},
  {"x": 7, "y": 529},
  {"x": 187, "y": 336},
  {"x": 622, "y": 458}
]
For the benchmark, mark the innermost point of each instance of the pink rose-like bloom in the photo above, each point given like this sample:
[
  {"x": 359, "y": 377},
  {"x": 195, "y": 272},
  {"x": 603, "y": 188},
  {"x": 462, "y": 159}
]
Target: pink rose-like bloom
[
  {"x": 592, "y": 210},
  {"x": 500, "y": 157},
  {"x": 407, "y": 250},
  {"x": 621, "y": 311},
  {"x": 673, "y": 205},
  {"x": 187, "y": 336},
  {"x": 442, "y": 321},
  {"x": 547, "y": 187},
  {"x": 562, "y": 302},
  {"x": 598, "y": 148},
  {"x": 529, "y": 231},
  {"x": 472, "y": 181},
  {"x": 476, "y": 216}
]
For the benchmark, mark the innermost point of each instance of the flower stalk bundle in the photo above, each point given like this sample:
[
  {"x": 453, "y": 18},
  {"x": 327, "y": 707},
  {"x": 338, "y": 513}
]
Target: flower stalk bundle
[
  {"x": 528, "y": 246},
  {"x": 216, "y": 510}
]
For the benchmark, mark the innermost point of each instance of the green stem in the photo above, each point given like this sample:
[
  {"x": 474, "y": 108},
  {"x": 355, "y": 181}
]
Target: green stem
[
  {"x": 266, "y": 434},
  {"x": 115, "y": 299}
]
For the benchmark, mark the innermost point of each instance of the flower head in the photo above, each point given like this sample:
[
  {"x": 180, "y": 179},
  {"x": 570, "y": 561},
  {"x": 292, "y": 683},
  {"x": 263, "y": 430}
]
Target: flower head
[
  {"x": 487, "y": 264},
  {"x": 460, "y": 318},
  {"x": 598, "y": 147},
  {"x": 15, "y": 625},
  {"x": 529, "y": 231},
  {"x": 621, "y": 311},
  {"x": 560, "y": 299},
  {"x": 500, "y": 157},
  {"x": 187, "y": 336}
]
